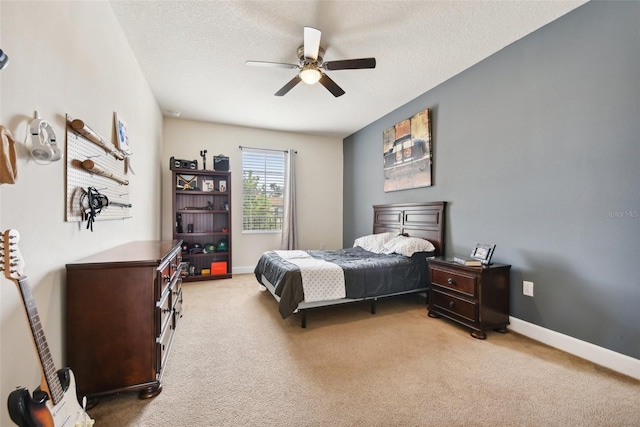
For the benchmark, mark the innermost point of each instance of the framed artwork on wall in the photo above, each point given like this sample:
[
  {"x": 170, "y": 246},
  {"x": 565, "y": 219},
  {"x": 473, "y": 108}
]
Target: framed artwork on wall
[
  {"x": 122, "y": 134},
  {"x": 406, "y": 150}
]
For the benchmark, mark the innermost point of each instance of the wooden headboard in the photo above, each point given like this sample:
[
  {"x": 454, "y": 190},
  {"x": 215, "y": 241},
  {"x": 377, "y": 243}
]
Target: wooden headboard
[{"x": 424, "y": 220}]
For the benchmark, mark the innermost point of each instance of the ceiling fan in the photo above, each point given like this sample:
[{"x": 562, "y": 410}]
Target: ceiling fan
[{"x": 310, "y": 55}]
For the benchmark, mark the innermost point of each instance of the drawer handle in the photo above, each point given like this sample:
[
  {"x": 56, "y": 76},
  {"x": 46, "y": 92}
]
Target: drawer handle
[
  {"x": 166, "y": 278},
  {"x": 450, "y": 281},
  {"x": 452, "y": 304},
  {"x": 166, "y": 310}
]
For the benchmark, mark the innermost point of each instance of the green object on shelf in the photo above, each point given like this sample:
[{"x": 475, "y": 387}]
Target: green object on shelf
[{"x": 223, "y": 245}]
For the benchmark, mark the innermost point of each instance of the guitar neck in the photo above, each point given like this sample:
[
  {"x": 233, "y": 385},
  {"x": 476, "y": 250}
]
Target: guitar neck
[{"x": 46, "y": 361}]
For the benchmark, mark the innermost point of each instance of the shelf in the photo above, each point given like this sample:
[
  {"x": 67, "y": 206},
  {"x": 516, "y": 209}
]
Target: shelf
[
  {"x": 203, "y": 255},
  {"x": 202, "y": 211},
  {"x": 203, "y": 193},
  {"x": 207, "y": 213},
  {"x": 204, "y": 233},
  {"x": 206, "y": 277}
]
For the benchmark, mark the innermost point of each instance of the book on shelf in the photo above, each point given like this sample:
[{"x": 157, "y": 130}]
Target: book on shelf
[{"x": 468, "y": 262}]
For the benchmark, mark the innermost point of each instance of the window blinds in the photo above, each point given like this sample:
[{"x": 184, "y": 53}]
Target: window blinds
[{"x": 263, "y": 175}]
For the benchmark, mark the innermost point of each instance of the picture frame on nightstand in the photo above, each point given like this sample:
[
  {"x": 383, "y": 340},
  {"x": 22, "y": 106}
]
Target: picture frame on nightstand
[{"x": 483, "y": 252}]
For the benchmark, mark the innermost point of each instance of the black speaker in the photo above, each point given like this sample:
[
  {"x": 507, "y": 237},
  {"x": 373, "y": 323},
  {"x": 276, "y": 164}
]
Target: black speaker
[
  {"x": 221, "y": 163},
  {"x": 182, "y": 164}
]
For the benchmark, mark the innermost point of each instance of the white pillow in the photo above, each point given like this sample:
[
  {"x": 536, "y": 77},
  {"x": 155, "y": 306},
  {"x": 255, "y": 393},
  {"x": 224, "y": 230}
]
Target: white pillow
[
  {"x": 374, "y": 242},
  {"x": 407, "y": 246}
]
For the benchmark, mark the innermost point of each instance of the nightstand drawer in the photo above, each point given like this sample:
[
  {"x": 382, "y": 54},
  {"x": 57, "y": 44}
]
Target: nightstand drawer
[
  {"x": 451, "y": 304},
  {"x": 455, "y": 281}
]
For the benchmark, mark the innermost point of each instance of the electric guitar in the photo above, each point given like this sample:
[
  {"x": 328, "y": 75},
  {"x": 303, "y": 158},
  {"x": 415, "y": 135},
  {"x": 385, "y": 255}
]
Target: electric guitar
[{"x": 54, "y": 403}]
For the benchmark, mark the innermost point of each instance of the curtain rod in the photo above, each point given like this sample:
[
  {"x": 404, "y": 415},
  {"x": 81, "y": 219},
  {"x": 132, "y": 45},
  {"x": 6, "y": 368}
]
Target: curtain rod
[{"x": 267, "y": 149}]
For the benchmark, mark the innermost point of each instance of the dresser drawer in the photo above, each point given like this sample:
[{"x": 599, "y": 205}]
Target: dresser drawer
[
  {"x": 177, "y": 307},
  {"x": 174, "y": 264},
  {"x": 448, "y": 303},
  {"x": 163, "y": 308},
  {"x": 465, "y": 284},
  {"x": 163, "y": 343},
  {"x": 169, "y": 271}
]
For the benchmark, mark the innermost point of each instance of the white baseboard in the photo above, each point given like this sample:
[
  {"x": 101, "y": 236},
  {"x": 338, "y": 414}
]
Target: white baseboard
[
  {"x": 242, "y": 270},
  {"x": 609, "y": 359}
]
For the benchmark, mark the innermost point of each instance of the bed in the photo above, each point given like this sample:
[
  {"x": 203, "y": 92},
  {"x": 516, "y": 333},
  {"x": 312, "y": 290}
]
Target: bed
[{"x": 390, "y": 262}]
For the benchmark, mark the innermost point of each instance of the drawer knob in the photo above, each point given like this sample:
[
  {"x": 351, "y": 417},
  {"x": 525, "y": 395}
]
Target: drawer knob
[
  {"x": 451, "y": 304},
  {"x": 450, "y": 281}
]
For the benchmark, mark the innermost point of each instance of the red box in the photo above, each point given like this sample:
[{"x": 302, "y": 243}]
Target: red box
[{"x": 219, "y": 267}]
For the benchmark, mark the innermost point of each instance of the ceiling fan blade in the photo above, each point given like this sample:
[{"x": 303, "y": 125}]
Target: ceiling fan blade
[
  {"x": 270, "y": 64},
  {"x": 350, "y": 64},
  {"x": 311, "y": 42},
  {"x": 331, "y": 86},
  {"x": 286, "y": 88}
]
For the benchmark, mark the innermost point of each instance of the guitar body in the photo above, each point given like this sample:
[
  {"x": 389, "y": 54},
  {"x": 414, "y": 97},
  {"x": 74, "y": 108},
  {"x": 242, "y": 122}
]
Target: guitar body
[{"x": 39, "y": 411}]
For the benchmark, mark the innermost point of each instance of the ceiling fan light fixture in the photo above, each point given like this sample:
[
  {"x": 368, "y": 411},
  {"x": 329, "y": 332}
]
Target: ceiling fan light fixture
[
  {"x": 310, "y": 74},
  {"x": 311, "y": 61}
]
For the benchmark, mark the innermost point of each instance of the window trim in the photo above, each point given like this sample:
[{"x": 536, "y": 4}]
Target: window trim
[{"x": 278, "y": 175}]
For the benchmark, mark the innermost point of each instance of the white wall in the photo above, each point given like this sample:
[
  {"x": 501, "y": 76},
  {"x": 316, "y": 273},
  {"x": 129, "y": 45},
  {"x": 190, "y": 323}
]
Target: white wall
[
  {"x": 66, "y": 57},
  {"x": 319, "y": 182}
]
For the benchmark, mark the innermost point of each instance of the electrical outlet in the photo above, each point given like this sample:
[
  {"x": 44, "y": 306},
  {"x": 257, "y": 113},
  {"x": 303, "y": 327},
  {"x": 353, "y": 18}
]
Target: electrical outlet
[{"x": 527, "y": 288}]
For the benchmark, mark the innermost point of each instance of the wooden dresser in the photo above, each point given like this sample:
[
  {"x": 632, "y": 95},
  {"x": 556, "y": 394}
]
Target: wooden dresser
[
  {"x": 122, "y": 309},
  {"x": 477, "y": 297}
]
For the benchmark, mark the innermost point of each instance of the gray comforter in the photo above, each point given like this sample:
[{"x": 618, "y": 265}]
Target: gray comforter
[{"x": 367, "y": 274}]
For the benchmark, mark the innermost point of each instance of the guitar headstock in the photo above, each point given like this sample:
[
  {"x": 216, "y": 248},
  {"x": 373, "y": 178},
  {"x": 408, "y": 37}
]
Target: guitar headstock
[{"x": 11, "y": 263}]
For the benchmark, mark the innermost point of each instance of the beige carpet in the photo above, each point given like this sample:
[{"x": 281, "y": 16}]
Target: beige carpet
[{"x": 235, "y": 362}]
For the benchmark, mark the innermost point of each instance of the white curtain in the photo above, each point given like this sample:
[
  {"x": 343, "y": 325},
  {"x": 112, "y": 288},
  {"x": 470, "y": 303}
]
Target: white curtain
[{"x": 289, "y": 222}]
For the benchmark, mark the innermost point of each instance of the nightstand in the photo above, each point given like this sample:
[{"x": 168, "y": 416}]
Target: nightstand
[{"x": 477, "y": 297}]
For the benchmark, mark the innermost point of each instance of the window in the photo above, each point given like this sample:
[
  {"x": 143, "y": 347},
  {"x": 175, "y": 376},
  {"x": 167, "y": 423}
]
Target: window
[{"x": 262, "y": 190}]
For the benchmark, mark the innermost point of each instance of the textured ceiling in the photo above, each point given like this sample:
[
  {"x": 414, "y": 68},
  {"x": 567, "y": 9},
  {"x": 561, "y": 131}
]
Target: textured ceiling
[{"x": 193, "y": 54}]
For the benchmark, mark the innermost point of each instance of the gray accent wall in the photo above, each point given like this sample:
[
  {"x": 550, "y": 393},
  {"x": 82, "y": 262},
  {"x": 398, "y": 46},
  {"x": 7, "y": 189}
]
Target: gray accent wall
[{"x": 537, "y": 149}]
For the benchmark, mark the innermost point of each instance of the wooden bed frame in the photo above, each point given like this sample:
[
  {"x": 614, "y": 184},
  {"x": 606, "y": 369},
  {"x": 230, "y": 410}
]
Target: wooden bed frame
[{"x": 423, "y": 220}]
